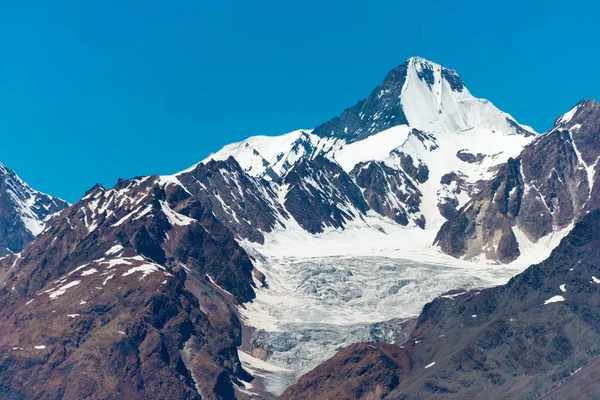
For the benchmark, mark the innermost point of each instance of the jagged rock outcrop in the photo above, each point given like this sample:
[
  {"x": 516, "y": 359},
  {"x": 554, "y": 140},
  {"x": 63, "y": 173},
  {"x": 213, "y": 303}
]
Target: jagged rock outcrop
[
  {"x": 246, "y": 205},
  {"x": 390, "y": 192},
  {"x": 321, "y": 194}
]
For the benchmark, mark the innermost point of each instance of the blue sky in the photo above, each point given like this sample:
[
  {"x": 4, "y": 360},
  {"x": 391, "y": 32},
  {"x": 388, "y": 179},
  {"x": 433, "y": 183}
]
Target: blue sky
[{"x": 97, "y": 91}]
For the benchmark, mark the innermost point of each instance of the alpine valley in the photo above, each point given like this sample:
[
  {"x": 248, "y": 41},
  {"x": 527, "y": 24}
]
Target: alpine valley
[{"x": 384, "y": 253}]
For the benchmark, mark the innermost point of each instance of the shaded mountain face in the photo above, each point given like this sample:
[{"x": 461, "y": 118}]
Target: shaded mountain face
[
  {"x": 547, "y": 188},
  {"x": 537, "y": 336},
  {"x": 23, "y": 211},
  {"x": 378, "y": 112},
  {"x": 246, "y": 205},
  {"x": 129, "y": 293}
]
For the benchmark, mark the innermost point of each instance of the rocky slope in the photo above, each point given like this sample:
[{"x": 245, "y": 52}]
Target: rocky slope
[
  {"x": 23, "y": 211},
  {"x": 547, "y": 188},
  {"x": 131, "y": 292},
  {"x": 536, "y": 336}
]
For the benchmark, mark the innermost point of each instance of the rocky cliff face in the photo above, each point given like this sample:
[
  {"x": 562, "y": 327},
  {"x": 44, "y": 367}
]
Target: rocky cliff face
[
  {"x": 246, "y": 205},
  {"x": 547, "y": 188},
  {"x": 23, "y": 211},
  {"x": 131, "y": 293},
  {"x": 319, "y": 194},
  {"x": 536, "y": 336}
]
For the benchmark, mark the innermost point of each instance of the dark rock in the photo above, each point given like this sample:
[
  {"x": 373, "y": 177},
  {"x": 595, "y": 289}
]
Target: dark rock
[
  {"x": 381, "y": 184},
  {"x": 379, "y": 111},
  {"x": 321, "y": 194},
  {"x": 469, "y": 157},
  {"x": 360, "y": 371},
  {"x": 243, "y": 203}
]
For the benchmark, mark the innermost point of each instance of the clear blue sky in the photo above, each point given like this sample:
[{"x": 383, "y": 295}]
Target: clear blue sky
[{"x": 95, "y": 90}]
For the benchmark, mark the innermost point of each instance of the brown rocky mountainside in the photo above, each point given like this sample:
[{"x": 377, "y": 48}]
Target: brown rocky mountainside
[
  {"x": 129, "y": 293},
  {"x": 537, "y": 336},
  {"x": 359, "y": 371},
  {"x": 551, "y": 185}
]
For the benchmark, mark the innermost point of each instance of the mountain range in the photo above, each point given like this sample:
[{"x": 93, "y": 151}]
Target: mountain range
[{"x": 352, "y": 260}]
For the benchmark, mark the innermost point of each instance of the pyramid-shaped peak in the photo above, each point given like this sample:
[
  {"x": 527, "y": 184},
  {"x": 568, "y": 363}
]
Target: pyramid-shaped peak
[
  {"x": 423, "y": 95},
  {"x": 584, "y": 106}
]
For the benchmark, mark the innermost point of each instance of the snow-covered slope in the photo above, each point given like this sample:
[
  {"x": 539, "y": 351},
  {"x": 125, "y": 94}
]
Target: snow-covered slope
[{"x": 435, "y": 100}]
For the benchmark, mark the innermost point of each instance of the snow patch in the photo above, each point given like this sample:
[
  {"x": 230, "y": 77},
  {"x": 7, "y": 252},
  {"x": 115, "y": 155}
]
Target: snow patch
[
  {"x": 61, "y": 290},
  {"x": 554, "y": 299}
]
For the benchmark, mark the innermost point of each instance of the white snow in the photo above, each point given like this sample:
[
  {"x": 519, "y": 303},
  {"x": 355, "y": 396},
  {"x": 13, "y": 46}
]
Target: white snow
[
  {"x": 576, "y": 371},
  {"x": 145, "y": 269},
  {"x": 279, "y": 152},
  {"x": 554, "y": 299},
  {"x": 73, "y": 315},
  {"x": 175, "y": 218},
  {"x": 215, "y": 283},
  {"x": 563, "y": 288},
  {"x": 40, "y": 347},
  {"x": 113, "y": 250},
  {"x": 107, "y": 279},
  {"x": 89, "y": 272},
  {"x": 375, "y": 147},
  {"x": 430, "y": 365},
  {"x": 595, "y": 280},
  {"x": 61, "y": 290},
  {"x": 276, "y": 379},
  {"x": 566, "y": 118}
]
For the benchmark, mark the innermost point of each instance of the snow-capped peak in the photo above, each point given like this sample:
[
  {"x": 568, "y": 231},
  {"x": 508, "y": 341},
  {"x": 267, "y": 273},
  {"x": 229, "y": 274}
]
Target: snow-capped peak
[
  {"x": 566, "y": 118},
  {"x": 421, "y": 138}
]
